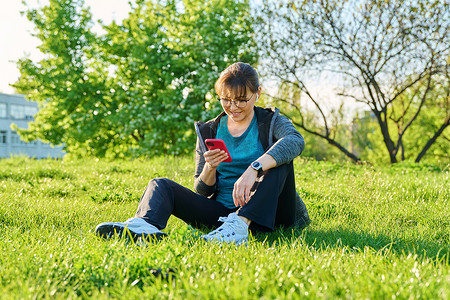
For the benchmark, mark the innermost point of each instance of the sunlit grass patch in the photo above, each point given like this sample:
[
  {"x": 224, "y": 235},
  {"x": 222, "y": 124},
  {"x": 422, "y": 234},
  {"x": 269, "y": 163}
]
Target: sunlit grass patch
[{"x": 375, "y": 233}]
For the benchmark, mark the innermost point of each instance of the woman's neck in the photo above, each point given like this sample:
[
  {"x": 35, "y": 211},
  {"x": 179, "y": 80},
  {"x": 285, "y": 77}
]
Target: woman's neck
[{"x": 238, "y": 128}]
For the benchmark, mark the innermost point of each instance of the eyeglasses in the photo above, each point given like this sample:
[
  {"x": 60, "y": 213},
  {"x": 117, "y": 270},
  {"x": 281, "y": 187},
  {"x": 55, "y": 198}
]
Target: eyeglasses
[{"x": 241, "y": 103}]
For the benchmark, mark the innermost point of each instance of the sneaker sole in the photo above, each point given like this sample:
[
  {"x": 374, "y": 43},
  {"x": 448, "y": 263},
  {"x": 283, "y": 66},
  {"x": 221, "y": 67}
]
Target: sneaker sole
[
  {"x": 108, "y": 231},
  {"x": 237, "y": 243}
]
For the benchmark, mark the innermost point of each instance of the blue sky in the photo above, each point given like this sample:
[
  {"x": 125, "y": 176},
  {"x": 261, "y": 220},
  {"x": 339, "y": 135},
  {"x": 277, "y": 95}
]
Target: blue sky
[{"x": 15, "y": 34}]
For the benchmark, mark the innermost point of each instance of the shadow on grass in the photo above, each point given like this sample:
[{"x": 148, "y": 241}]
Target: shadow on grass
[{"x": 357, "y": 241}]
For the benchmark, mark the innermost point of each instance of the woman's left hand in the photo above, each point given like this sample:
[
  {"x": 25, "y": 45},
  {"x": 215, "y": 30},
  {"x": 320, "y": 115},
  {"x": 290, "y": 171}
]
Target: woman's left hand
[{"x": 242, "y": 187}]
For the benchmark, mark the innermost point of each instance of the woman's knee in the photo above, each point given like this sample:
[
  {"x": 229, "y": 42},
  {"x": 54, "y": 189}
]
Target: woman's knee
[{"x": 160, "y": 182}]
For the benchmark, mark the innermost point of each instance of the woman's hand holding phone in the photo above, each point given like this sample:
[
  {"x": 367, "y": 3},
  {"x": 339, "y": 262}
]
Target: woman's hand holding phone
[
  {"x": 217, "y": 152},
  {"x": 215, "y": 157}
]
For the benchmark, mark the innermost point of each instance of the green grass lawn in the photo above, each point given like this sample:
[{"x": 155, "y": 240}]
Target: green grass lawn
[{"x": 375, "y": 233}]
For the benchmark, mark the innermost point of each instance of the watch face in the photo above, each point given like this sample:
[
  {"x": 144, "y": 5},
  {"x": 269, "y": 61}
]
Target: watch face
[{"x": 256, "y": 165}]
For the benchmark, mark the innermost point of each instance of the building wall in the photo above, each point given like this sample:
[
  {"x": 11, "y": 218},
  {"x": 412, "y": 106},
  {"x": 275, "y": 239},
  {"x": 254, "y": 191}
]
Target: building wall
[{"x": 15, "y": 109}]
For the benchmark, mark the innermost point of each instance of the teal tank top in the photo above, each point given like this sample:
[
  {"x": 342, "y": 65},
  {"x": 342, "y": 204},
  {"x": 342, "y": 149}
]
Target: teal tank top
[{"x": 243, "y": 150}]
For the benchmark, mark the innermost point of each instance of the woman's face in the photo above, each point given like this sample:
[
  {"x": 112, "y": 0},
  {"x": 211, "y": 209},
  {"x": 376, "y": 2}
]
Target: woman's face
[{"x": 239, "y": 108}]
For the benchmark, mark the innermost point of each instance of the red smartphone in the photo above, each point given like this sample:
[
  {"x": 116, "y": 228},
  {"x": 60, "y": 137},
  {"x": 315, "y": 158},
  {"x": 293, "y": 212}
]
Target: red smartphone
[{"x": 218, "y": 144}]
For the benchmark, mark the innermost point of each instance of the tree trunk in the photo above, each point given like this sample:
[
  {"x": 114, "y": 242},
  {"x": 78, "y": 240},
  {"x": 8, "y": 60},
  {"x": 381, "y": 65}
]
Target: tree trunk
[
  {"x": 386, "y": 137},
  {"x": 402, "y": 150},
  {"x": 345, "y": 151},
  {"x": 432, "y": 140}
]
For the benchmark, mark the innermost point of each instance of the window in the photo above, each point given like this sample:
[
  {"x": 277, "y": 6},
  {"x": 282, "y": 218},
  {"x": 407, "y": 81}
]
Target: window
[
  {"x": 30, "y": 111},
  {"x": 15, "y": 139},
  {"x": 3, "y": 135},
  {"x": 23, "y": 112},
  {"x": 17, "y": 111},
  {"x": 3, "y": 113}
]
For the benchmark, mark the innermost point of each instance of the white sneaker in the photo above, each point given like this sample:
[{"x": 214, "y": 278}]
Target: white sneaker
[
  {"x": 233, "y": 230},
  {"x": 135, "y": 227}
]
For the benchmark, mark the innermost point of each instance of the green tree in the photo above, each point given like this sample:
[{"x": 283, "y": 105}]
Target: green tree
[
  {"x": 66, "y": 78},
  {"x": 381, "y": 51},
  {"x": 139, "y": 87}
]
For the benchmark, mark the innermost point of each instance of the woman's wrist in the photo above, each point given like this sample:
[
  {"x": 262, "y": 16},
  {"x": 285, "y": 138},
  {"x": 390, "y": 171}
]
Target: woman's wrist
[
  {"x": 267, "y": 162},
  {"x": 208, "y": 168},
  {"x": 208, "y": 174}
]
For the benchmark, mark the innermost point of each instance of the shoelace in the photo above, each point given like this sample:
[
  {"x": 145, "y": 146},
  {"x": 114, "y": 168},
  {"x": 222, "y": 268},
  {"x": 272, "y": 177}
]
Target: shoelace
[{"x": 226, "y": 220}]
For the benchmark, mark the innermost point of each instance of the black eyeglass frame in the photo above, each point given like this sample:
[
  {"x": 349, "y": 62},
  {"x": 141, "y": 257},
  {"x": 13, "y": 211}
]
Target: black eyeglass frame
[{"x": 230, "y": 102}]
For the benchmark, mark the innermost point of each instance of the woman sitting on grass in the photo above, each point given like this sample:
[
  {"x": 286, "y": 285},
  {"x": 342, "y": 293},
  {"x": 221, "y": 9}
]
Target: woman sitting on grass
[{"x": 255, "y": 190}]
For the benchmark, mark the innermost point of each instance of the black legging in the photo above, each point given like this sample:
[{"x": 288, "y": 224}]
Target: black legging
[{"x": 272, "y": 204}]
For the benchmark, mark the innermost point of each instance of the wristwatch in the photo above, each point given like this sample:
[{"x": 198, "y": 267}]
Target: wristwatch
[{"x": 257, "y": 166}]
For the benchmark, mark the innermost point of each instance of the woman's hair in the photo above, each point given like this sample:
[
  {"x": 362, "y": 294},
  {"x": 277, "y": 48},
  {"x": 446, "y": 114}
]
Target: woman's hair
[{"x": 236, "y": 79}]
